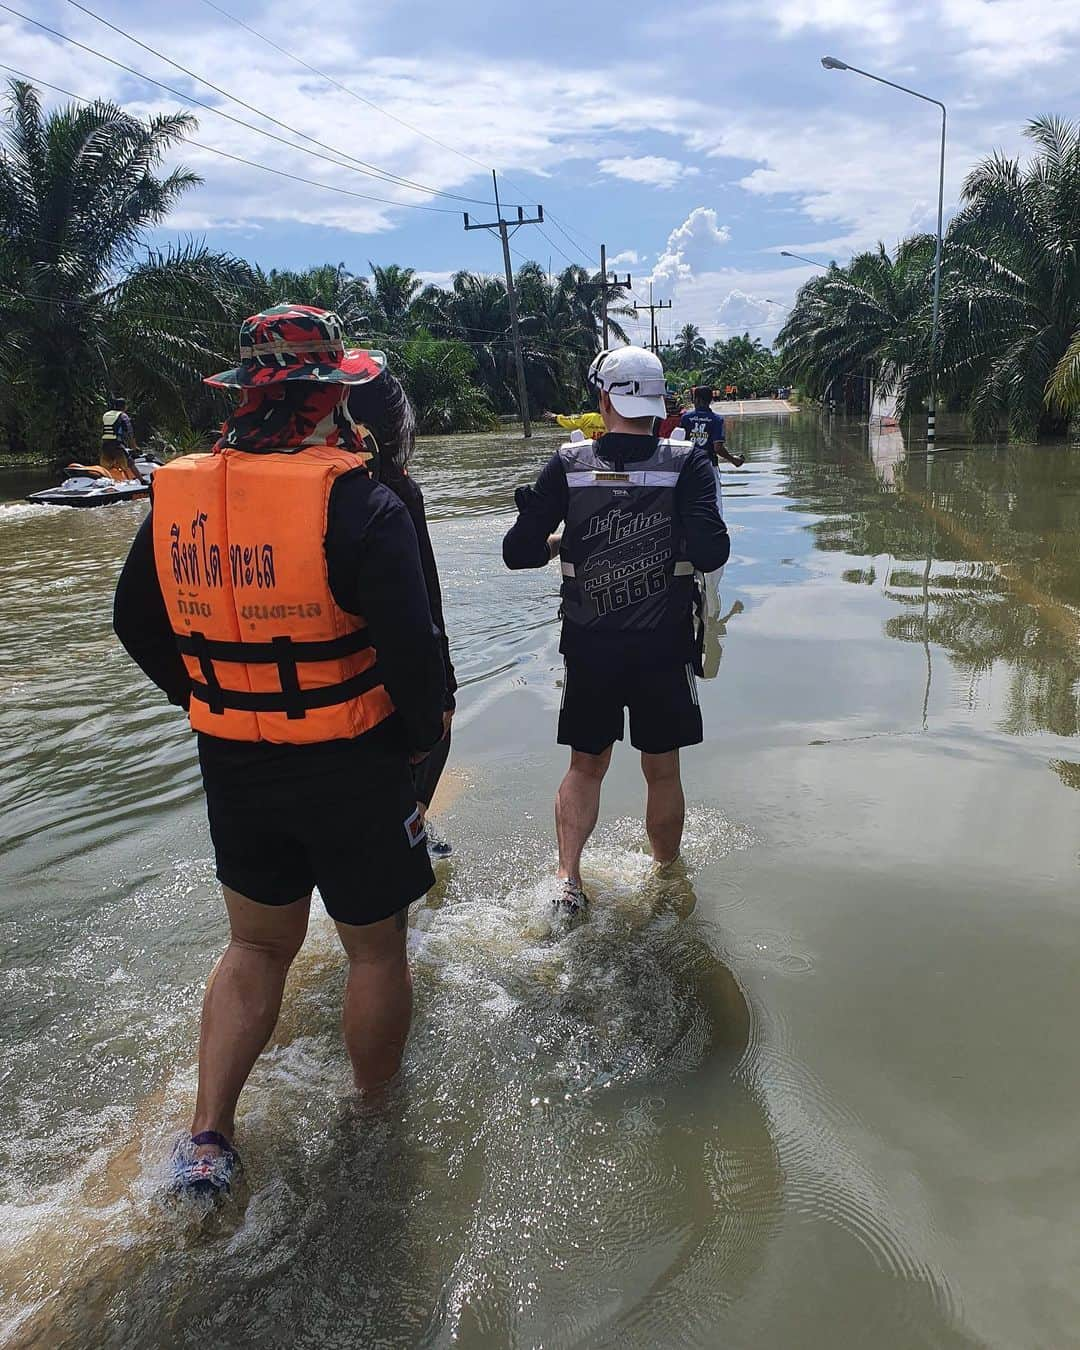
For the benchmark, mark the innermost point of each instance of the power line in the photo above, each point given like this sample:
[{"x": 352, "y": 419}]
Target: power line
[
  {"x": 250, "y": 163},
  {"x": 345, "y": 88},
  {"x": 209, "y": 107},
  {"x": 373, "y": 169},
  {"x": 409, "y": 126}
]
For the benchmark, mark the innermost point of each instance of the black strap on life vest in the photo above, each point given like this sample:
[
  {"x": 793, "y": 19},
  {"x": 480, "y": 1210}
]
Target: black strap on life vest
[{"x": 286, "y": 654}]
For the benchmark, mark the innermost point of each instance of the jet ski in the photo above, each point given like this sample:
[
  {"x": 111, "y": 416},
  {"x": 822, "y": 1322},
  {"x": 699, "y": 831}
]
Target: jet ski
[{"x": 91, "y": 485}]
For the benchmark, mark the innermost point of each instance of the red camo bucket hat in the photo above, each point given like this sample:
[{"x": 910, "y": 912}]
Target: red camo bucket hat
[{"x": 297, "y": 342}]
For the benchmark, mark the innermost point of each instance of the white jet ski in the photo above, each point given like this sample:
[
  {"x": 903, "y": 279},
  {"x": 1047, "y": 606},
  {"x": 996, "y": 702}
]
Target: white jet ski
[{"x": 91, "y": 485}]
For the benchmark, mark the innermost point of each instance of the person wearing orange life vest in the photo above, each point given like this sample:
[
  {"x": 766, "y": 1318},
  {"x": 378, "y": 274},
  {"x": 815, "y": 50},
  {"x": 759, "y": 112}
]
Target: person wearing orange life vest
[{"x": 276, "y": 592}]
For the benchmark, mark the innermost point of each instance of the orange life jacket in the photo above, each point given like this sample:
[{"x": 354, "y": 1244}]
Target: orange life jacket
[{"x": 239, "y": 549}]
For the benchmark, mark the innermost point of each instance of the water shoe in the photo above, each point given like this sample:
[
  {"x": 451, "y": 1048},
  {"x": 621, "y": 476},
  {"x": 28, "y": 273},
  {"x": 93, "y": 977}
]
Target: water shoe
[{"x": 210, "y": 1175}]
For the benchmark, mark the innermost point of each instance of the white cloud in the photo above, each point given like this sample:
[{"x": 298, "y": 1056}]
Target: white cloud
[
  {"x": 739, "y": 310},
  {"x": 690, "y": 247},
  {"x": 1008, "y": 37},
  {"x": 880, "y": 21},
  {"x": 629, "y": 257},
  {"x": 652, "y": 169},
  {"x": 524, "y": 116}
]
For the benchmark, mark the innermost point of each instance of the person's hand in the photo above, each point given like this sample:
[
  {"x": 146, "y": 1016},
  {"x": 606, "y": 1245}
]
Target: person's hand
[
  {"x": 738, "y": 460},
  {"x": 418, "y": 756},
  {"x": 554, "y": 544},
  {"x": 447, "y": 718},
  {"x": 548, "y": 417}
]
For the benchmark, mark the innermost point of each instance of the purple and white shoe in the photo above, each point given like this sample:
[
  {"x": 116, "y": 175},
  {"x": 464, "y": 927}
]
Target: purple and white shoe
[{"x": 211, "y": 1174}]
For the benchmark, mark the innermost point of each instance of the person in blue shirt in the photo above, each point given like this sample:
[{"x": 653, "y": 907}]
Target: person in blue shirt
[{"x": 706, "y": 429}]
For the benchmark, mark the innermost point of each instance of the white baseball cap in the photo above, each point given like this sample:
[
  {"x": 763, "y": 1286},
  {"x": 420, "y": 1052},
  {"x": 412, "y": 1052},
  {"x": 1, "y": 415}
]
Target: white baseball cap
[{"x": 634, "y": 380}]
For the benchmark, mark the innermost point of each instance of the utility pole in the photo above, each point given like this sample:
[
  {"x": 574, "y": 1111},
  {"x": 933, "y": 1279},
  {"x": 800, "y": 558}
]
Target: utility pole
[
  {"x": 506, "y": 228},
  {"x": 652, "y": 308},
  {"x": 615, "y": 284}
]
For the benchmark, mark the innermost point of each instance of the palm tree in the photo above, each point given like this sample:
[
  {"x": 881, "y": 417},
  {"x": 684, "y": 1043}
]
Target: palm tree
[
  {"x": 475, "y": 311},
  {"x": 81, "y": 314},
  {"x": 689, "y": 348},
  {"x": 1011, "y": 312},
  {"x": 390, "y": 298},
  {"x": 870, "y": 318},
  {"x": 439, "y": 376},
  {"x": 325, "y": 287}
]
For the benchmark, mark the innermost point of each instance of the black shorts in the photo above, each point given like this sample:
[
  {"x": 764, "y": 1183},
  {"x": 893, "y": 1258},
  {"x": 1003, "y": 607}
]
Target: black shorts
[
  {"x": 343, "y": 819},
  {"x": 663, "y": 704}
]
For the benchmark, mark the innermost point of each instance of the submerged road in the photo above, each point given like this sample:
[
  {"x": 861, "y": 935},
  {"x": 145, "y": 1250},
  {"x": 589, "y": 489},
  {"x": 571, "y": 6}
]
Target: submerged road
[
  {"x": 749, "y": 407},
  {"x": 806, "y": 1093}
]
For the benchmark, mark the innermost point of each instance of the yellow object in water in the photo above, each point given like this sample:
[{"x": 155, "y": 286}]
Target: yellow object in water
[{"x": 592, "y": 424}]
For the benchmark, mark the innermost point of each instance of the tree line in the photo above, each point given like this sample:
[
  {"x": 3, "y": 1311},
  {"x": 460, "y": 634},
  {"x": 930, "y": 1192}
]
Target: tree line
[
  {"x": 88, "y": 311},
  {"x": 741, "y": 361},
  {"x": 1008, "y": 352}
]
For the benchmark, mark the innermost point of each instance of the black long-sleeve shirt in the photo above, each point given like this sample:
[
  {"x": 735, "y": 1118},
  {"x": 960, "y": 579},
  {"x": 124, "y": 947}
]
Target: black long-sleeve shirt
[
  {"x": 374, "y": 568},
  {"x": 543, "y": 507},
  {"x": 408, "y": 489}
]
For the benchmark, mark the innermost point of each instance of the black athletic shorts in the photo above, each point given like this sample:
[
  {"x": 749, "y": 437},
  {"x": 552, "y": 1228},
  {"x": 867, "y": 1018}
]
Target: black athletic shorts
[
  {"x": 663, "y": 705},
  {"x": 340, "y": 816}
]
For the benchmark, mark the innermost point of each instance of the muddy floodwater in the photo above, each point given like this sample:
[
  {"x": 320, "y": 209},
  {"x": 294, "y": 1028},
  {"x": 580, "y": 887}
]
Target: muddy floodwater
[{"x": 821, "y": 1092}]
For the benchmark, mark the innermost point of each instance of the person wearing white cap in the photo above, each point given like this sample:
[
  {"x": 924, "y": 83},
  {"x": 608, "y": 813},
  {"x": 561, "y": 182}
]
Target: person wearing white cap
[{"x": 640, "y": 516}]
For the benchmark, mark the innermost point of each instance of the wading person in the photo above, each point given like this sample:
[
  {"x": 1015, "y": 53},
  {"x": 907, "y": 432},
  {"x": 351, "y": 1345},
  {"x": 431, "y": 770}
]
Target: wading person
[
  {"x": 706, "y": 429},
  {"x": 591, "y": 423},
  {"x": 382, "y": 407},
  {"x": 640, "y": 515},
  {"x": 276, "y": 592}
]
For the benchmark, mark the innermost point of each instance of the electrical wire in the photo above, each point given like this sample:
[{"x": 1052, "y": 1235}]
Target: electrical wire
[
  {"x": 209, "y": 107},
  {"x": 373, "y": 170},
  {"x": 369, "y": 103},
  {"x": 499, "y": 342},
  {"x": 345, "y": 88},
  {"x": 249, "y": 163}
]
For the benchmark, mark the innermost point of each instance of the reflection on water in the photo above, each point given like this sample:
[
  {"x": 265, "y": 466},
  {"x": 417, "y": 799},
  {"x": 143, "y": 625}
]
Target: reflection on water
[{"x": 803, "y": 1091}]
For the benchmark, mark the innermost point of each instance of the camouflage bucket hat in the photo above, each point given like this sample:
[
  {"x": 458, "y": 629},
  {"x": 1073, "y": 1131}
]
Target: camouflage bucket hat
[{"x": 297, "y": 342}]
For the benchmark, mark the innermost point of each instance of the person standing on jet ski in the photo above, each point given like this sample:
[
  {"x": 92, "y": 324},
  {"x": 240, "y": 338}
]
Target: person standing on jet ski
[{"x": 118, "y": 443}]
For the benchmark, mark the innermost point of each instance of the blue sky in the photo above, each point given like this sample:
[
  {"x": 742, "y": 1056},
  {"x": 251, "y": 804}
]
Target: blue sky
[{"x": 696, "y": 139}]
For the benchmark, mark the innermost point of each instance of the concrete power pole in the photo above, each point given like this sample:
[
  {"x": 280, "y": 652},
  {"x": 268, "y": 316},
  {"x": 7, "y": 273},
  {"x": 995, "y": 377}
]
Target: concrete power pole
[
  {"x": 652, "y": 308},
  {"x": 505, "y": 229},
  {"x": 606, "y": 285}
]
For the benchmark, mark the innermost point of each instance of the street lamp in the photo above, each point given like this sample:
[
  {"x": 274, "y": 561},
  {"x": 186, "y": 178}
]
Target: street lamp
[
  {"x": 785, "y": 254},
  {"x": 834, "y": 63}
]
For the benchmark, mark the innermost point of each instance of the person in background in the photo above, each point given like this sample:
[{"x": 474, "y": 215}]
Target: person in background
[
  {"x": 382, "y": 406},
  {"x": 673, "y": 407},
  {"x": 706, "y": 429},
  {"x": 118, "y": 443},
  {"x": 640, "y": 515},
  {"x": 591, "y": 423},
  {"x": 276, "y": 592}
]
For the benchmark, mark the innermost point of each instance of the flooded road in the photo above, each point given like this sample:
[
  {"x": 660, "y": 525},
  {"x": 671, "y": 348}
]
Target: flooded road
[{"x": 819, "y": 1093}]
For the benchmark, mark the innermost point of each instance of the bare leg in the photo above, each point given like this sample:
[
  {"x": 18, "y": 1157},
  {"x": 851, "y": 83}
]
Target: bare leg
[
  {"x": 577, "y": 807},
  {"x": 378, "y": 998},
  {"x": 243, "y": 998},
  {"x": 666, "y": 808}
]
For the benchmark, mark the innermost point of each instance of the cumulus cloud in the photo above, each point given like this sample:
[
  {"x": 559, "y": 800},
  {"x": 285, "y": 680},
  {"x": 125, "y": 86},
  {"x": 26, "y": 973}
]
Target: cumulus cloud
[
  {"x": 652, "y": 169},
  {"x": 740, "y": 310},
  {"x": 629, "y": 257},
  {"x": 690, "y": 247}
]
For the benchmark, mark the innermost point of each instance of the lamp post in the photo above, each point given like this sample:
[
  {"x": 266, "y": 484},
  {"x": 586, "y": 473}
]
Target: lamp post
[
  {"x": 785, "y": 254},
  {"x": 834, "y": 63}
]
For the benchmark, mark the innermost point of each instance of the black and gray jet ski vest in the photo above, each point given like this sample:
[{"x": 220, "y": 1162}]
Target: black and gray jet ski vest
[{"x": 620, "y": 554}]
